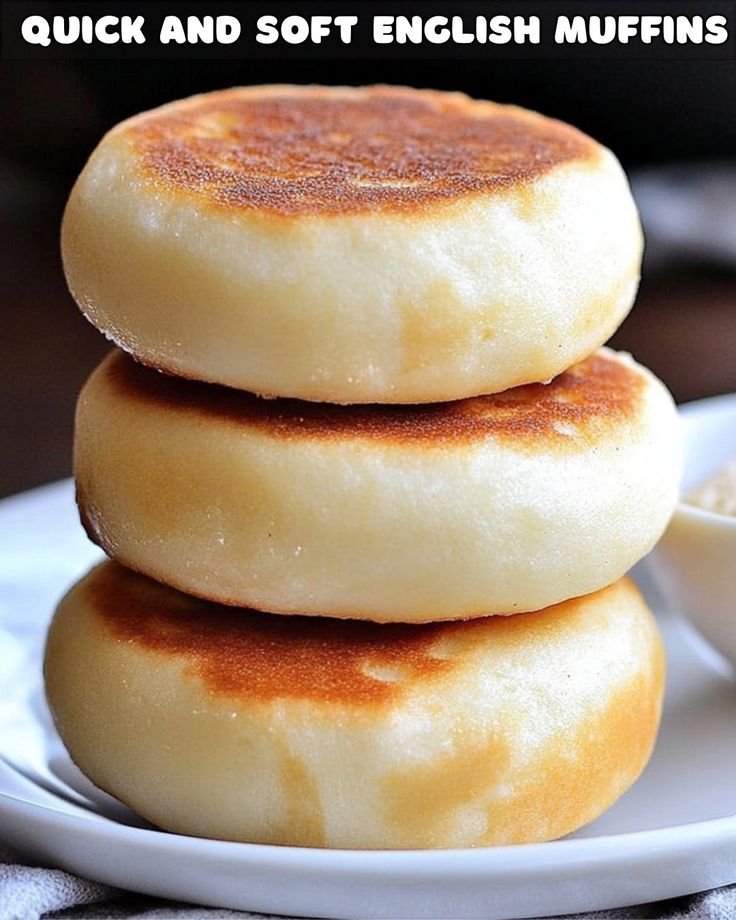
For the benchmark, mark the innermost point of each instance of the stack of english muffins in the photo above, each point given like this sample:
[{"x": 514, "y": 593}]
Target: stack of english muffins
[{"x": 384, "y": 606}]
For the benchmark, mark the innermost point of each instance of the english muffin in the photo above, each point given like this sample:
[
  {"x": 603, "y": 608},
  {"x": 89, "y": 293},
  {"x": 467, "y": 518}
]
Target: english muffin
[
  {"x": 494, "y": 504},
  {"x": 324, "y": 733},
  {"x": 352, "y": 245}
]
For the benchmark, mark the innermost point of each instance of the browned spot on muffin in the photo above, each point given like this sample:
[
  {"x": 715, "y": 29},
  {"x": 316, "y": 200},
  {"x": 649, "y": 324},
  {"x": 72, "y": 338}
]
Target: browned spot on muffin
[
  {"x": 568, "y": 779},
  {"x": 424, "y": 798},
  {"x": 576, "y": 773},
  {"x": 586, "y": 399},
  {"x": 318, "y": 150},
  {"x": 259, "y": 656},
  {"x": 303, "y": 805}
]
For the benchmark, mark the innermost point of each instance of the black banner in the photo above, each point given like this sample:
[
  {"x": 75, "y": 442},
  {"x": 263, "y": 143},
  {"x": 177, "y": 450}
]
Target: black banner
[{"x": 622, "y": 30}]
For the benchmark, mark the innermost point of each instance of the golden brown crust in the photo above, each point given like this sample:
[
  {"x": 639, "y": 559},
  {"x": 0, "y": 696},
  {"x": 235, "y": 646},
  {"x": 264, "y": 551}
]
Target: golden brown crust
[
  {"x": 245, "y": 653},
  {"x": 586, "y": 398},
  {"x": 312, "y": 150}
]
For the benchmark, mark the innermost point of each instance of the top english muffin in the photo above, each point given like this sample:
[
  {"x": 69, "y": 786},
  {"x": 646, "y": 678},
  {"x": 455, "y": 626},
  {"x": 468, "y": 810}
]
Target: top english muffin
[{"x": 351, "y": 245}]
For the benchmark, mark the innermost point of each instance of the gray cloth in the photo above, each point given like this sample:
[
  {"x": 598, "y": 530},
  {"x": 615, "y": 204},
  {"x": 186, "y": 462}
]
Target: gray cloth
[{"x": 32, "y": 893}]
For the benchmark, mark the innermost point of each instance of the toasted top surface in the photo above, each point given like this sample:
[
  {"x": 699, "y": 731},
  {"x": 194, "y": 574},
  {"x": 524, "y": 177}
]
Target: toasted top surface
[
  {"x": 309, "y": 150},
  {"x": 589, "y": 398},
  {"x": 261, "y": 656}
]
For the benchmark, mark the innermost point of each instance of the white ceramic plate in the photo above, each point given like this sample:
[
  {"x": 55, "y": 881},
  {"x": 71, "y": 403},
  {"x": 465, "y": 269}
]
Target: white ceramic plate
[{"x": 674, "y": 833}]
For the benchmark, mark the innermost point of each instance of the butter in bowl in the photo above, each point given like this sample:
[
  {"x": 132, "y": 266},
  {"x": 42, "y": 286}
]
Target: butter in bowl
[{"x": 695, "y": 562}]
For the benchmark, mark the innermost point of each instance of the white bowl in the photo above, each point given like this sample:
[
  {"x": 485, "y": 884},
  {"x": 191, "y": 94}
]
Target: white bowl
[{"x": 695, "y": 562}]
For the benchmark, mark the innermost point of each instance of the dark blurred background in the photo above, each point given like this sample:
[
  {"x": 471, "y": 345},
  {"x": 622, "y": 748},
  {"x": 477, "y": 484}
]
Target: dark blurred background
[{"x": 676, "y": 114}]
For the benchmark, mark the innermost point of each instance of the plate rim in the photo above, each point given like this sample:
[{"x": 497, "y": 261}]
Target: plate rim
[{"x": 573, "y": 854}]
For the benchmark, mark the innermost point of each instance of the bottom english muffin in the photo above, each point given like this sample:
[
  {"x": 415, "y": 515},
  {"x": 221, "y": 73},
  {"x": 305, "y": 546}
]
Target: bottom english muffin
[{"x": 233, "y": 724}]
